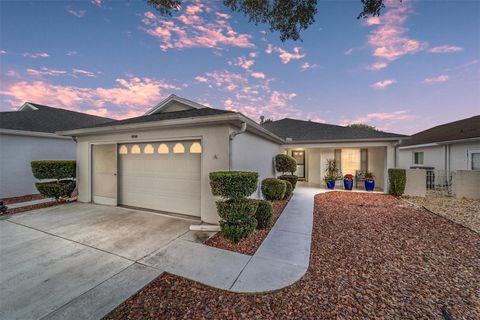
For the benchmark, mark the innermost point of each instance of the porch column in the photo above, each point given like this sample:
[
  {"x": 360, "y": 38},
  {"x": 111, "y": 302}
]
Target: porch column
[{"x": 389, "y": 163}]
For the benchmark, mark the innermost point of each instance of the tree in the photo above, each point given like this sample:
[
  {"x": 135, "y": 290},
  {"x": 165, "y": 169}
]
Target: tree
[
  {"x": 362, "y": 126},
  {"x": 289, "y": 17}
]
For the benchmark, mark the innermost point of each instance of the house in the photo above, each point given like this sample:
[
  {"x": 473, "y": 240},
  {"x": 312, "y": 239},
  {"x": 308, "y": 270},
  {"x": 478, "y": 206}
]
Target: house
[
  {"x": 29, "y": 134},
  {"x": 448, "y": 147},
  {"x": 162, "y": 160}
]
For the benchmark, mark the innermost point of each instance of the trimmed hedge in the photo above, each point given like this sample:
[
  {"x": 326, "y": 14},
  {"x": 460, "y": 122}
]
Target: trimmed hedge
[
  {"x": 56, "y": 189},
  {"x": 290, "y": 178},
  {"x": 54, "y": 169},
  {"x": 264, "y": 214},
  {"x": 238, "y": 229},
  {"x": 233, "y": 184},
  {"x": 233, "y": 210},
  {"x": 397, "y": 179},
  {"x": 288, "y": 189},
  {"x": 285, "y": 163},
  {"x": 273, "y": 189}
]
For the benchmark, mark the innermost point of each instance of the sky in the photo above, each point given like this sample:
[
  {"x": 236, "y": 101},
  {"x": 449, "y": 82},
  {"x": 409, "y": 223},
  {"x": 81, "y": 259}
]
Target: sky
[{"x": 414, "y": 67}]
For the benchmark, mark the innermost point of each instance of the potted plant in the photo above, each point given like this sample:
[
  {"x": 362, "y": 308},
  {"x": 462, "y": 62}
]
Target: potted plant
[
  {"x": 331, "y": 173},
  {"x": 369, "y": 181},
  {"x": 348, "y": 181}
]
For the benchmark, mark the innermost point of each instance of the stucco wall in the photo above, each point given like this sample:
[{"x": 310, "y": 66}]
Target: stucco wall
[
  {"x": 466, "y": 184},
  {"x": 215, "y": 149},
  {"x": 432, "y": 157},
  {"x": 16, "y": 153},
  {"x": 314, "y": 166},
  {"x": 376, "y": 165},
  {"x": 252, "y": 153},
  {"x": 459, "y": 155},
  {"x": 415, "y": 182}
]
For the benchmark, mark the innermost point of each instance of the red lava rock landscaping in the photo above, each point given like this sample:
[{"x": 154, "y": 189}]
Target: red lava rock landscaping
[
  {"x": 250, "y": 244},
  {"x": 33, "y": 207},
  {"x": 25, "y": 198},
  {"x": 372, "y": 257}
]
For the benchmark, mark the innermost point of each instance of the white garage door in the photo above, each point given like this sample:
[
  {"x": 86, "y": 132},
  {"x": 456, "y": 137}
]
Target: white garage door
[{"x": 162, "y": 176}]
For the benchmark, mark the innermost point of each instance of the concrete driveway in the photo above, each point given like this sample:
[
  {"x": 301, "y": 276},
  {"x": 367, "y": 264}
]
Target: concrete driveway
[{"x": 78, "y": 260}]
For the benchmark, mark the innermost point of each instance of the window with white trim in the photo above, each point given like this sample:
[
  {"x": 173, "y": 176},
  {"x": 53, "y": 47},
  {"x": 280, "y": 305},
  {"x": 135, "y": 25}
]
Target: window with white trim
[
  {"x": 418, "y": 158},
  {"x": 475, "y": 160}
]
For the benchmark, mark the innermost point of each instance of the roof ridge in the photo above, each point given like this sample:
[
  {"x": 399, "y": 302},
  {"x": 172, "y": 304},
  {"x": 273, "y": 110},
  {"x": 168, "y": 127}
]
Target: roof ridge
[{"x": 66, "y": 110}]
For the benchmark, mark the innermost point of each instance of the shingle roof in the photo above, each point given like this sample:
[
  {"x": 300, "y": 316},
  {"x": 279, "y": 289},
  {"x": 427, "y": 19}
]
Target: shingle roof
[
  {"x": 193, "y": 113},
  {"x": 457, "y": 130},
  {"x": 299, "y": 130},
  {"x": 47, "y": 119}
]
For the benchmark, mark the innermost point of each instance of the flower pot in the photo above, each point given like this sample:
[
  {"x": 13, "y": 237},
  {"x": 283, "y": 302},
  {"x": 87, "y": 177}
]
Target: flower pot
[
  {"x": 348, "y": 184},
  {"x": 331, "y": 184},
  {"x": 369, "y": 185}
]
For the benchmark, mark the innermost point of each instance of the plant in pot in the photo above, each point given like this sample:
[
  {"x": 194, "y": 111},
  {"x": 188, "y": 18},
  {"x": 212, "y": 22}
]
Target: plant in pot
[
  {"x": 348, "y": 181},
  {"x": 369, "y": 181},
  {"x": 331, "y": 173}
]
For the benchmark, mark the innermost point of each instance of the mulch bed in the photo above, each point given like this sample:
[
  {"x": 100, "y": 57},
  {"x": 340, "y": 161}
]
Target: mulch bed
[
  {"x": 250, "y": 244},
  {"x": 32, "y": 207},
  {"x": 372, "y": 257},
  {"x": 28, "y": 197}
]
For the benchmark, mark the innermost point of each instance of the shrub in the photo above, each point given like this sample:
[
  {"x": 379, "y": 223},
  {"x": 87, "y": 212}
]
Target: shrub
[
  {"x": 56, "y": 189},
  {"x": 288, "y": 189},
  {"x": 263, "y": 215},
  {"x": 397, "y": 179},
  {"x": 273, "y": 189},
  {"x": 290, "y": 178},
  {"x": 54, "y": 169},
  {"x": 238, "y": 229},
  {"x": 285, "y": 163},
  {"x": 230, "y": 210},
  {"x": 233, "y": 184}
]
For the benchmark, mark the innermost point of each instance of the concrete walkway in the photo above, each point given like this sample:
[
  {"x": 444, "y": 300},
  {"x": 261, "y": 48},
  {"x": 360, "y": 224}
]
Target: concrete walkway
[
  {"x": 29, "y": 203},
  {"x": 281, "y": 260}
]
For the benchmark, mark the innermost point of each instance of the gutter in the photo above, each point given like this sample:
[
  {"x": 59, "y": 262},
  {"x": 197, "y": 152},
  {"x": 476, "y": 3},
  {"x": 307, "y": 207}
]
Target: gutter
[
  {"x": 32, "y": 134},
  {"x": 232, "y": 135}
]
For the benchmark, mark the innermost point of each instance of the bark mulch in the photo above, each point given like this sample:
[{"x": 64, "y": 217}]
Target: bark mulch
[
  {"x": 250, "y": 244},
  {"x": 372, "y": 257},
  {"x": 28, "y": 197}
]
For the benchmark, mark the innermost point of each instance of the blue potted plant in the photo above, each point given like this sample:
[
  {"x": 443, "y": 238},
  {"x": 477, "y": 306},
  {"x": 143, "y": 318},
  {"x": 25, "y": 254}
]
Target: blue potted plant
[
  {"x": 331, "y": 174},
  {"x": 369, "y": 181},
  {"x": 348, "y": 182}
]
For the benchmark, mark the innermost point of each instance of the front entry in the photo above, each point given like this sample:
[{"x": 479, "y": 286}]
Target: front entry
[
  {"x": 299, "y": 156},
  {"x": 104, "y": 164}
]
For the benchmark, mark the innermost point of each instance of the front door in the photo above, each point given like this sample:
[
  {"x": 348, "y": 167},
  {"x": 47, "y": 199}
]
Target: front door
[
  {"x": 299, "y": 156},
  {"x": 104, "y": 164}
]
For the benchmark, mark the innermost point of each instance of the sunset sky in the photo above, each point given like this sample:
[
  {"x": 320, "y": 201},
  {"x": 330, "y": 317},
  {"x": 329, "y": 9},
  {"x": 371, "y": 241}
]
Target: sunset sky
[{"x": 414, "y": 67}]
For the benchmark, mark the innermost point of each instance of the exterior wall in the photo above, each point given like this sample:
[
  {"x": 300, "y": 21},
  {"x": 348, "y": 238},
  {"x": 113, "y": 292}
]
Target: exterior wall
[
  {"x": 466, "y": 184},
  {"x": 415, "y": 182},
  {"x": 459, "y": 155},
  {"x": 253, "y": 153},
  {"x": 313, "y": 166},
  {"x": 376, "y": 165},
  {"x": 432, "y": 157},
  {"x": 215, "y": 157},
  {"x": 176, "y": 106},
  {"x": 16, "y": 153}
]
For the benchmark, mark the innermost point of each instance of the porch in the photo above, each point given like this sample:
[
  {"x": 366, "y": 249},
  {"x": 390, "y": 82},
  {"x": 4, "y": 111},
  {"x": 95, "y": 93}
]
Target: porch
[{"x": 354, "y": 158}]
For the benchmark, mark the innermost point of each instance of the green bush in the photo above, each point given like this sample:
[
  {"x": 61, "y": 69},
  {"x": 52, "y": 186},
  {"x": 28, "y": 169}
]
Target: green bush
[
  {"x": 285, "y": 163},
  {"x": 238, "y": 229},
  {"x": 273, "y": 189},
  {"x": 231, "y": 210},
  {"x": 54, "y": 169},
  {"x": 56, "y": 189},
  {"x": 233, "y": 184},
  {"x": 263, "y": 215},
  {"x": 288, "y": 189},
  {"x": 290, "y": 178},
  {"x": 397, "y": 179}
]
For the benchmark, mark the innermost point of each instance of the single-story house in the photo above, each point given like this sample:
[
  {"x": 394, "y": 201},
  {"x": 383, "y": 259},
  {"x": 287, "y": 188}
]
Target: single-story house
[
  {"x": 162, "y": 160},
  {"x": 29, "y": 134},
  {"x": 448, "y": 147}
]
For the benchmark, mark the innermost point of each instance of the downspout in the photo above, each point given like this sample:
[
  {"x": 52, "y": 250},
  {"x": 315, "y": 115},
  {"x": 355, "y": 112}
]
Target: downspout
[{"x": 243, "y": 128}]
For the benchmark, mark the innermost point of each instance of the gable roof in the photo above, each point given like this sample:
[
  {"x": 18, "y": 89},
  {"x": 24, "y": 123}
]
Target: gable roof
[
  {"x": 171, "y": 99},
  {"x": 40, "y": 118},
  {"x": 458, "y": 130},
  {"x": 300, "y": 131}
]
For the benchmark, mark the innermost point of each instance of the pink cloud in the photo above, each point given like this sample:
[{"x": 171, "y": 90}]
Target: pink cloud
[
  {"x": 12, "y": 73},
  {"x": 76, "y": 13},
  {"x": 286, "y": 56},
  {"x": 434, "y": 80},
  {"x": 269, "y": 48},
  {"x": 258, "y": 75},
  {"x": 3, "y": 52},
  {"x": 445, "y": 49},
  {"x": 98, "y": 3},
  {"x": 71, "y": 53},
  {"x": 377, "y": 66},
  {"x": 84, "y": 73},
  {"x": 371, "y": 21},
  {"x": 45, "y": 72},
  {"x": 201, "y": 79},
  {"x": 242, "y": 62},
  {"x": 383, "y": 84},
  {"x": 36, "y": 55},
  {"x": 306, "y": 66},
  {"x": 382, "y": 120},
  {"x": 348, "y": 52}
]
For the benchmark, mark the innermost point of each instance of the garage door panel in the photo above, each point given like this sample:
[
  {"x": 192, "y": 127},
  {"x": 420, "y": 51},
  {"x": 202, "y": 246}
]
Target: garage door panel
[{"x": 166, "y": 182}]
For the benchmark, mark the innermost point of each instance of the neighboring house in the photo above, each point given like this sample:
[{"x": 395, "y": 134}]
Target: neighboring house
[
  {"x": 162, "y": 160},
  {"x": 448, "y": 147},
  {"x": 29, "y": 134}
]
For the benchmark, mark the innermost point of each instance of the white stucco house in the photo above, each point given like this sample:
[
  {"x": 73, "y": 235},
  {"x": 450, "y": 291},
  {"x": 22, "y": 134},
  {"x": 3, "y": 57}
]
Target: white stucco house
[
  {"x": 29, "y": 134},
  {"x": 162, "y": 160},
  {"x": 448, "y": 147}
]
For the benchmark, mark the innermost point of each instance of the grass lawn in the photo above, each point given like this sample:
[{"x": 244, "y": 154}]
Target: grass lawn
[{"x": 372, "y": 257}]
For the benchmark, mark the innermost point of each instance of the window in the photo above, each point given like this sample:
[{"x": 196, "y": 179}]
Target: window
[
  {"x": 148, "y": 149},
  {"x": 123, "y": 150},
  {"x": 196, "y": 148},
  {"x": 178, "y": 148},
  {"x": 163, "y": 149},
  {"x": 475, "y": 160},
  {"x": 350, "y": 161},
  {"x": 135, "y": 149},
  {"x": 418, "y": 158}
]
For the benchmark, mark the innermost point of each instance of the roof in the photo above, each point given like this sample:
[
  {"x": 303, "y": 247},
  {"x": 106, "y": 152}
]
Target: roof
[
  {"x": 458, "y": 130},
  {"x": 163, "y": 105},
  {"x": 40, "y": 118},
  {"x": 300, "y": 130}
]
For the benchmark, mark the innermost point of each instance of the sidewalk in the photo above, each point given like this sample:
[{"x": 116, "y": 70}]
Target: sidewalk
[{"x": 281, "y": 260}]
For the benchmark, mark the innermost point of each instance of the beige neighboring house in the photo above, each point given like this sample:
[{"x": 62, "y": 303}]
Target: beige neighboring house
[{"x": 161, "y": 161}]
